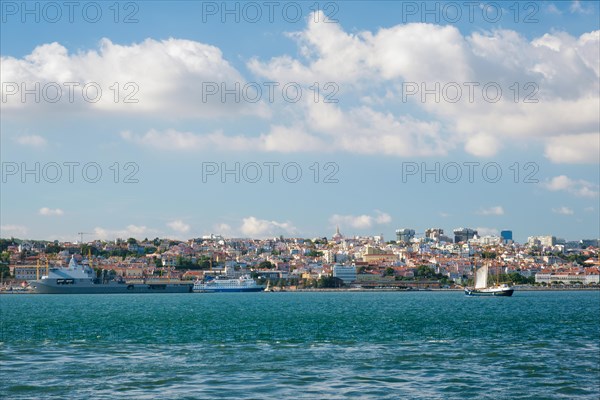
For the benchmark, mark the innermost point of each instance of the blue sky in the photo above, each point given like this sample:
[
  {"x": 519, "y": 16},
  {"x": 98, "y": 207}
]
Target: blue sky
[{"x": 375, "y": 93}]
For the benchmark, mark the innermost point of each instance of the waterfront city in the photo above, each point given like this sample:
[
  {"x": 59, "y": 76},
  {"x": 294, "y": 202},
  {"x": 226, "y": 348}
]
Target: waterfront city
[{"x": 431, "y": 261}]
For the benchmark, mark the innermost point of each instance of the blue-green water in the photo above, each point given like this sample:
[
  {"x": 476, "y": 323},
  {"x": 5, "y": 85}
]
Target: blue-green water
[{"x": 395, "y": 345}]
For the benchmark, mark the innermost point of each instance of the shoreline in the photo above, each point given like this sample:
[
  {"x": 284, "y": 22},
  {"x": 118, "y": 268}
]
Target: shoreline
[{"x": 527, "y": 289}]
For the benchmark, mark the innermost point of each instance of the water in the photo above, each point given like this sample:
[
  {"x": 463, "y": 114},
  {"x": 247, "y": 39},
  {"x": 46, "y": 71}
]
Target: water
[{"x": 422, "y": 345}]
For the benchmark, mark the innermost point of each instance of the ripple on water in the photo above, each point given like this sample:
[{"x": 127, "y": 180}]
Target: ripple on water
[{"x": 300, "y": 345}]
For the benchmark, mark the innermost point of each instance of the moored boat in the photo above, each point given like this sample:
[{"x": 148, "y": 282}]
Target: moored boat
[
  {"x": 81, "y": 279},
  {"x": 481, "y": 287},
  {"x": 227, "y": 284}
]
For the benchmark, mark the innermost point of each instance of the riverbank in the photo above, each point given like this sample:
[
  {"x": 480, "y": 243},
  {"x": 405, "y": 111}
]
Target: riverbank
[{"x": 277, "y": 290}]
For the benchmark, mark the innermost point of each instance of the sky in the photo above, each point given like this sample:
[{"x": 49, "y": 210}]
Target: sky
[{"x": 258, "y": 119}]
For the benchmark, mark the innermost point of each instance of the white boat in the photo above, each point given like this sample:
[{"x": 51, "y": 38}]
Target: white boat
[
  {"x": 481, "y": 287},
  {"x": 81, "y": 279},
  {"x": 227, "y": 284}
]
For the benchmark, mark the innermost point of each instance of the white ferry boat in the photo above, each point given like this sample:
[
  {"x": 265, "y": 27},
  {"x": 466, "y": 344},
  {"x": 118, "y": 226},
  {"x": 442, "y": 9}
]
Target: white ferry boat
[
  {"x": 81, "y": 279},
  {"x": 227, "y": 284}
]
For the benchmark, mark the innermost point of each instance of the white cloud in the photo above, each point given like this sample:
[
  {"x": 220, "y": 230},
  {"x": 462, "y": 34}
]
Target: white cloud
[
  {"x": 483, "y": 231},
  {"x": 576, "y": 7},
  {"x": 179, "y": 226},
  {"x": 392, "y": 57},
  {"x": 260, "y": 228},
  {"x": 382, "y": 218},
  {"x": 360, "y": 221},
  {"x": 138, "y": 232},
  {"x": 574, "y": 149},
  {"x": 552, "y": 9},
  {"x": 579, "y": 187},
  {"x": 168, "y": 76},
  {"x": 12, "y": 230},
  {"x": 279, "y": 139},
  {"x": 482, "y": 145},
  {"x": 496, "y": 210},
  {"x": 31, "y": 140},
  {"x": 223, "y": 229},
  {"x": 563, "y": 210},
  {"x": 50, "y": 212},
  {"x": 563, "y": 70}
]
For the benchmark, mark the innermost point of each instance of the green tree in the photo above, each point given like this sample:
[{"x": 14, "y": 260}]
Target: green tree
[
  {"x": 424, "y": 271},
  {"x": 389, "y": 271},
  {"x": 4, "y": 271},
  {"x": 5, "y": 258},
  {"x": 266, "y": 265},
  {"x": 329, "y": 282}
]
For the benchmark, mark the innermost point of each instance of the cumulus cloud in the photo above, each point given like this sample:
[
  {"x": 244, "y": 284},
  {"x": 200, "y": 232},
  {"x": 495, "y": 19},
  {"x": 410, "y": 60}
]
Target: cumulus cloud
[
  {"x": 563, "y": 210},
  {"x": 260, "y": 228},
  {"x": 574, "y": 149},
  {"x": 278, "y": 139},
  {"x": 548, "y": 90},
  {"x": 50, "y": 211},
  {"x": 361, "y": 221},
  {"x": 482, "y": 145},
  {"x": 556, "y": 75},
  {"x": 577, "y": 187},
  {"x": 496, "y": 210},
  {"x": 134, "y": 231},
  {"x": 223, "y": 229},
  {"x": 179, "y": 226},
  {"x": 31, "y": 140},
  {"x": 483, "y": 231},
  {"x": 171, "y": 76}
]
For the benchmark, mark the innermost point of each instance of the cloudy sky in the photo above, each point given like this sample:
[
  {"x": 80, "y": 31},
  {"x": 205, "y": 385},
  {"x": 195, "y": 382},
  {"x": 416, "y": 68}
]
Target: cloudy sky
[{"x": 254, "y": 119}]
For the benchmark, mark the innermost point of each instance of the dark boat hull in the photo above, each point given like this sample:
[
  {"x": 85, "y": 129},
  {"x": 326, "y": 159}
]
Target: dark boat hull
[
  {"x": 475, "y": 292},
  {"x": 49, "y": 288}
]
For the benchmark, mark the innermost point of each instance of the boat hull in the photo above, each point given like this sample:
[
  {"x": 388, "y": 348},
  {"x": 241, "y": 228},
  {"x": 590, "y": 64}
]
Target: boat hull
[
  {"x": 50, "y": 288},
  {"x": 232, "y": 290},
  {"x": 506, "y": 292}
]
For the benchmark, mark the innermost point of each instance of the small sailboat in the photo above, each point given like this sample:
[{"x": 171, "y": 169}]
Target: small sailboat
[
  {"x": 481, "y": 287},
  {"x": 268, "y": 288}
]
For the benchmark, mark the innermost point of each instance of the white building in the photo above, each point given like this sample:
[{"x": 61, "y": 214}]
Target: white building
[{"x": 567, "y": 278}]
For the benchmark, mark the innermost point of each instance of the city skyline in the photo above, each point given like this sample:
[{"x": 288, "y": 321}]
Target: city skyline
[{"x": 249, "y": 121}]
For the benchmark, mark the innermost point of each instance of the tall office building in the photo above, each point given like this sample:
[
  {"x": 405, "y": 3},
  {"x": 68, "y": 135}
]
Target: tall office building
[
  {"x": 464, "y": 234},
  {"x": 434, "y": 234},
  {"x": 405, "y": 235},
  {"x": 506, "y": 236}
]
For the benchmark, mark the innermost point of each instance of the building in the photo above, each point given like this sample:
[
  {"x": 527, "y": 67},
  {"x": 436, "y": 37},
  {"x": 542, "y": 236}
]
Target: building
[
  {"x": 566, "y": 278},
  {"x": 377, "y": 255},
  {"x": 28, "y": 272},
  {"x": 464, "y": 234},
  {"x": 507, "y": 236},
  {"x": 590, "y": 242},
  {"x": 544, "y": 241},
  {"x": 346, "y": 273},
  {"x": 488, "y": 240},
  {"x": 337, "y": 236},
  {"x": 405, "y": 235},
  {"x": 434, "y": 234}
]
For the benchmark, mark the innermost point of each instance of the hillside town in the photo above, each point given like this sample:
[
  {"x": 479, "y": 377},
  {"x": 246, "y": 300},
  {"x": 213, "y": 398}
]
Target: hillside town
[{"x": 433, "y": 261}]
